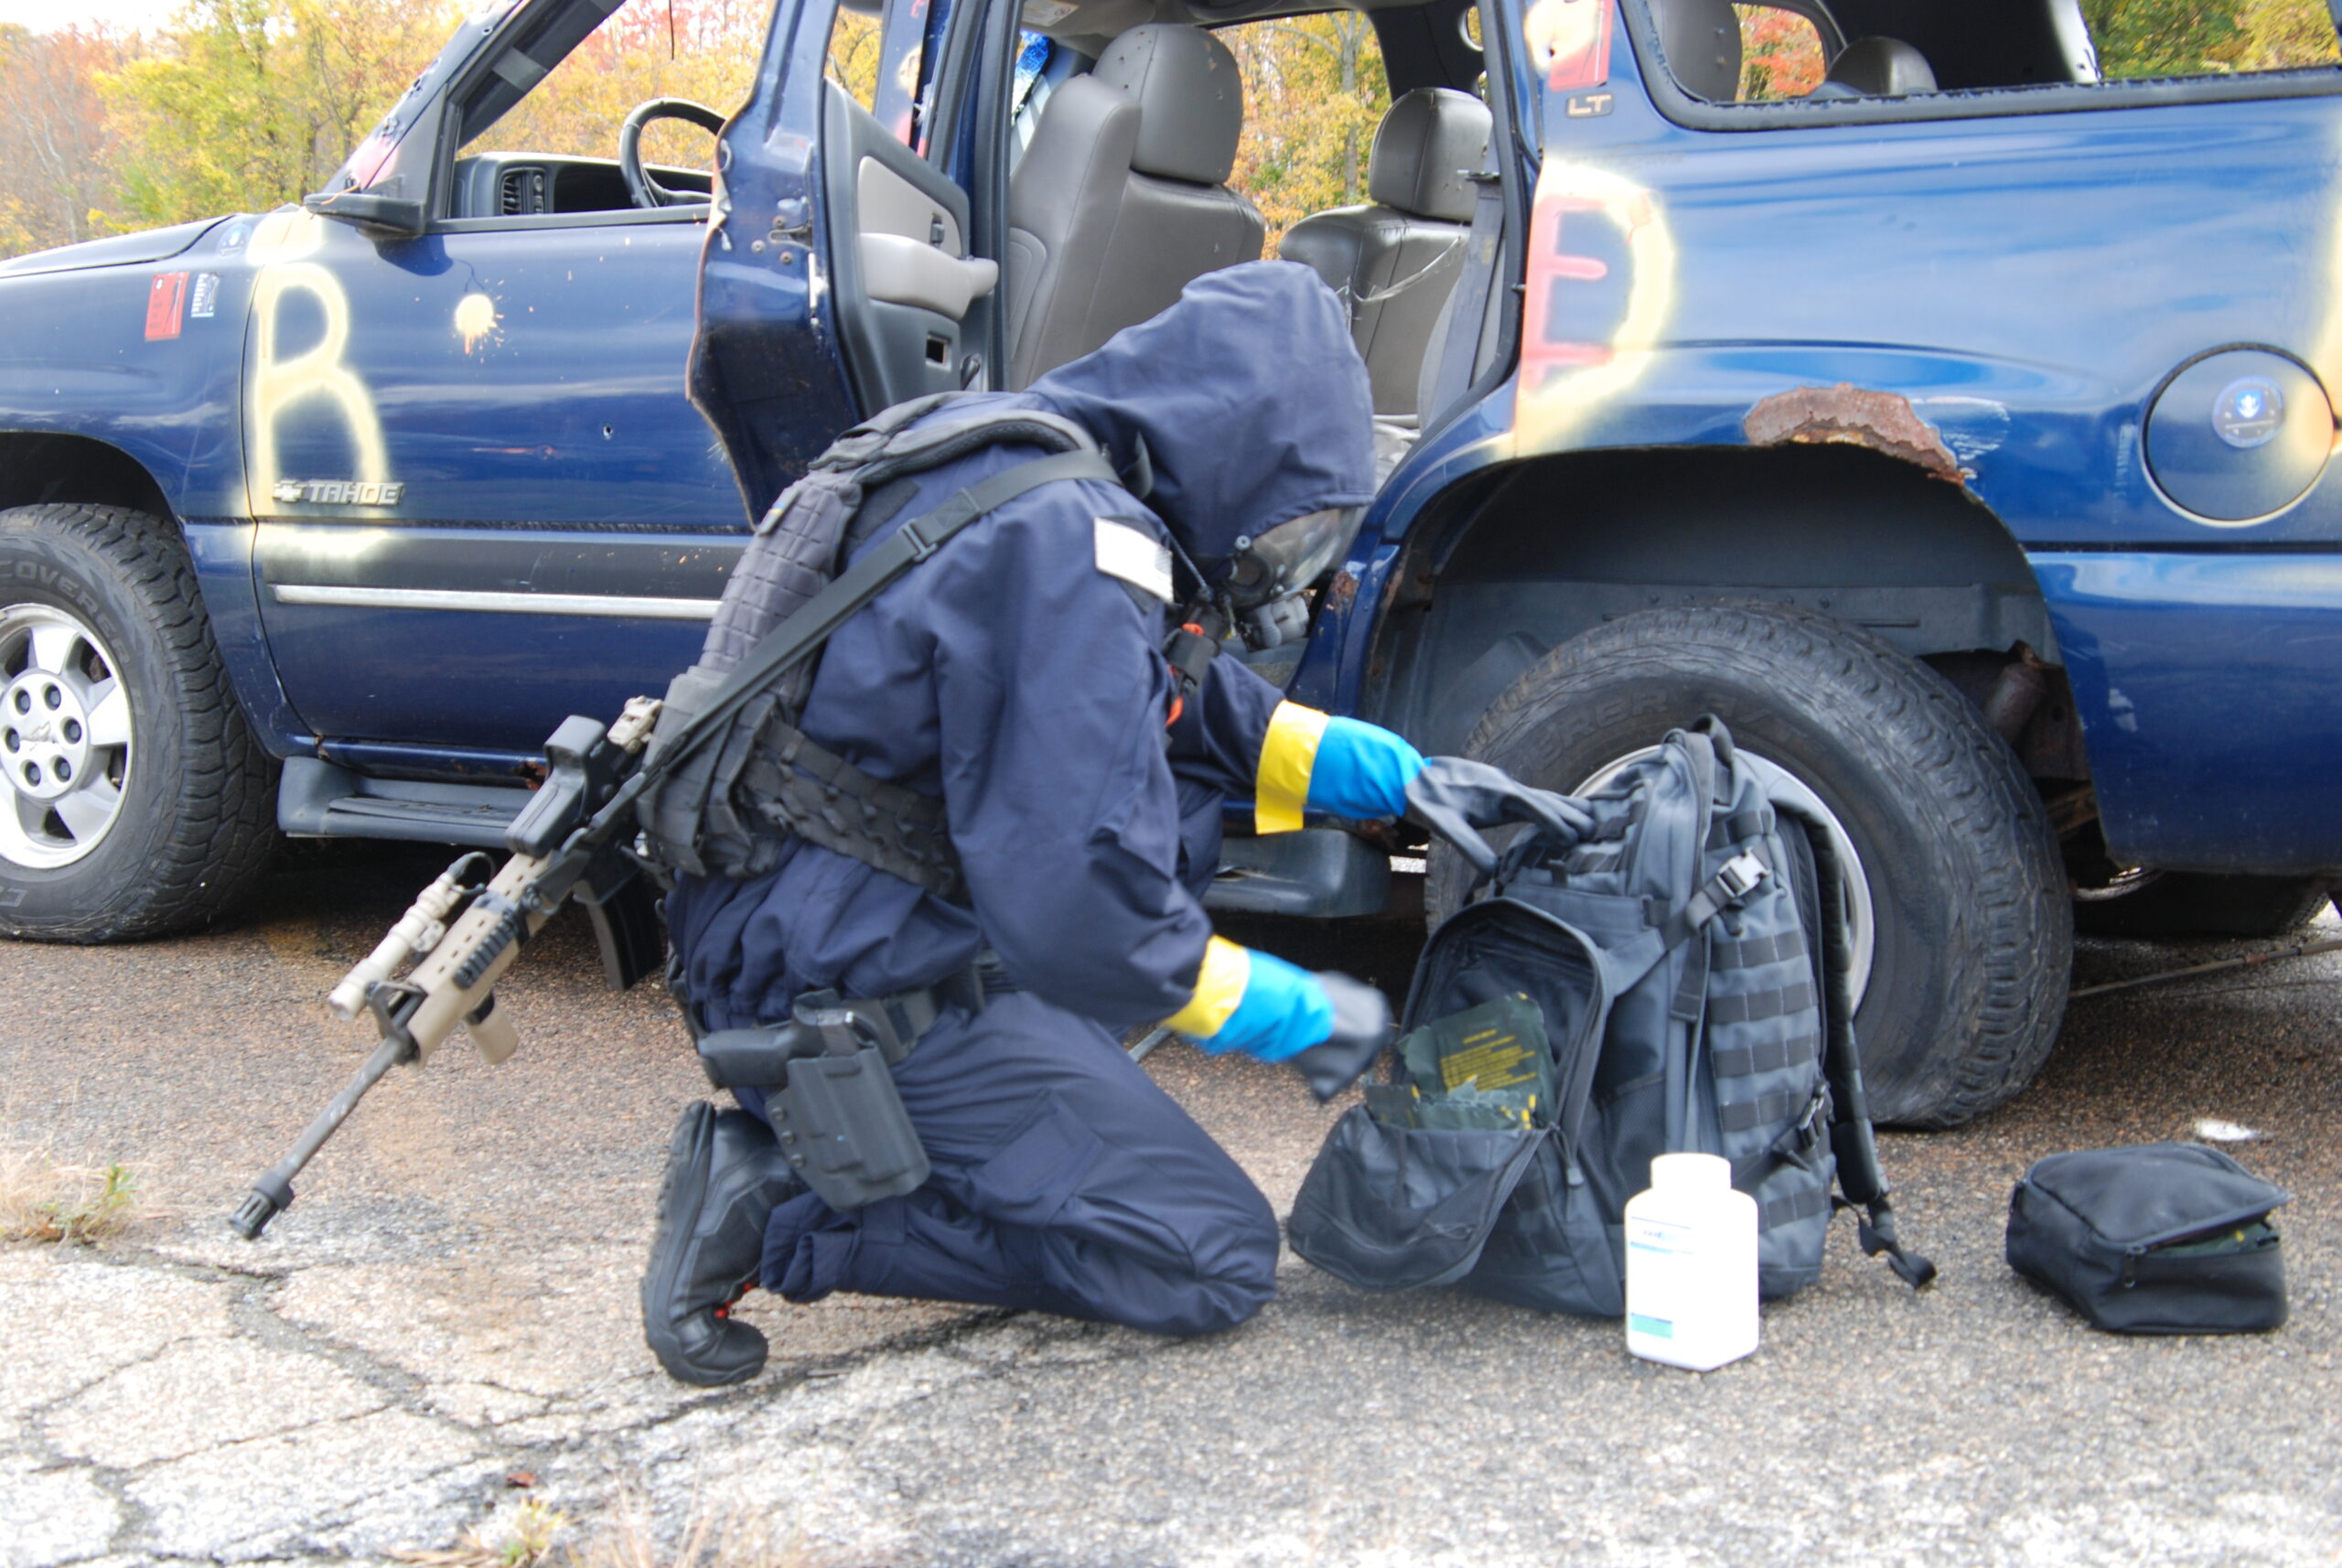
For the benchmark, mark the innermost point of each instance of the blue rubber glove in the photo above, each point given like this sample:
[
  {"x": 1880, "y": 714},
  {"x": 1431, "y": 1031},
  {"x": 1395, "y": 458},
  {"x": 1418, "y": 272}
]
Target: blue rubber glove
[
  {"x": 1283, "y": 1012},
  {"x": 1280, "y": 1010},
  {"x": 1361, "y": 771},
  {"x": 1329, "y": 1027}
]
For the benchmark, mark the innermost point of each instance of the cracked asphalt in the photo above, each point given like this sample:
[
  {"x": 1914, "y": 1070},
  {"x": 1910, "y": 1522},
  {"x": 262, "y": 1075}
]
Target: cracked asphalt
[{"x": 449, "y": 1305}]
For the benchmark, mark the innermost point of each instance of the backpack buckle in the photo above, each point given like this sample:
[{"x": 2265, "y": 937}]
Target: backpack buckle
[
  {"x": 921, "y": 546},
  {"x": 1740, "y": 877}
]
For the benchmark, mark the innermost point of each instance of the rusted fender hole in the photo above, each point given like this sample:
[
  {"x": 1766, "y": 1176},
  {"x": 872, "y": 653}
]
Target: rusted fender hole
[{"x": 1849, "y": 415}]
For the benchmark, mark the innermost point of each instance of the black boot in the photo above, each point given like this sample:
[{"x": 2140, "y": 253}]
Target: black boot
[{"x": 726, "y": 1175}]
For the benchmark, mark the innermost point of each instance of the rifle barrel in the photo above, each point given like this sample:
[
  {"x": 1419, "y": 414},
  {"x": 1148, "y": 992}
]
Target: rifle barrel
[{"x": 274, "y": 1190}]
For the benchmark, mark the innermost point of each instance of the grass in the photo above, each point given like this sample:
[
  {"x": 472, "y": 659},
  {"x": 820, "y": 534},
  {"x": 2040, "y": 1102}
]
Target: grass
[
  {"x": 528, "y": 1542},
  {"x": 41, "y": 1200},
  {"x": 625, "y": 1541}
]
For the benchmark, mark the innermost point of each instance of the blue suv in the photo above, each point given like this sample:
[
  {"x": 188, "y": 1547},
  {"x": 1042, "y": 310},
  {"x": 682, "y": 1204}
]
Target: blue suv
[{"x": 1957, "y": 429}]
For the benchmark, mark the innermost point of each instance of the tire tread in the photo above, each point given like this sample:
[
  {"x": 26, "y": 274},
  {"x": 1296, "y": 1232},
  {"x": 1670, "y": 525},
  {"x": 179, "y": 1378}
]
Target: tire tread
[
  {"x": 223, "y": 826},
  {"x": 2013, "y": 976}
]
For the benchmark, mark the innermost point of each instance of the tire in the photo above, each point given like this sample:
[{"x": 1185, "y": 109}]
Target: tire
[
  {"x": 2181, "y": 906},
  {"x": 134, "y": 799},
  {"x": 1972, "y": 929}
]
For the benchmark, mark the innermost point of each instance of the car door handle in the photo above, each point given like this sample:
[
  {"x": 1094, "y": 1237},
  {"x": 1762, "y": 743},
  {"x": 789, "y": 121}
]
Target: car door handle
[{"x": 898, "y": 270}]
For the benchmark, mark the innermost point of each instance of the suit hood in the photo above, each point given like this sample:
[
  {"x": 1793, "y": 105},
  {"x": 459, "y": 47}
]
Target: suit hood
[{"x": 1252, "y": 400}]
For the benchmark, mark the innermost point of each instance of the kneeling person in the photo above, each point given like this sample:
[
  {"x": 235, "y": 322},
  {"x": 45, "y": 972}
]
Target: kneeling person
[{"x": 1020, "y": 677}]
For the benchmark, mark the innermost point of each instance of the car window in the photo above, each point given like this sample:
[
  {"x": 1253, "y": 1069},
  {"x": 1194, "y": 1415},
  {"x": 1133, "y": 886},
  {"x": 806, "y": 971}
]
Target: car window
[
  {"x": 1780, "y": 54},
  {"x": 853, "y": 60},
  {"x": 704, "y": 51},
  {"x": 1870, "y": 48},
  {"x": 877, "y": 56},
  {"x": 1314, "y": 89},
  {"x": 2209, "y": 37}
]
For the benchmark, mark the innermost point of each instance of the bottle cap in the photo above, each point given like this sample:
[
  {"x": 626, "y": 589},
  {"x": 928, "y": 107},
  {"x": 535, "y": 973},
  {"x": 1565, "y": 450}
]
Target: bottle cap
[{"x": 1681, "y": 1172}]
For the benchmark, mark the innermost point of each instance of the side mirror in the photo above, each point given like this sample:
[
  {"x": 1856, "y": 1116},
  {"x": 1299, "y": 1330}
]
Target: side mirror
[{"x": 381, "y": 217}]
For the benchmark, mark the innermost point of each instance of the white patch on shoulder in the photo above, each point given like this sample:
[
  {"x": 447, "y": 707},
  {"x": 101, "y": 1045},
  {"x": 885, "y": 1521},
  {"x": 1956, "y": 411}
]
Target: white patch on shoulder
[{"x": 1123, "y": 551}]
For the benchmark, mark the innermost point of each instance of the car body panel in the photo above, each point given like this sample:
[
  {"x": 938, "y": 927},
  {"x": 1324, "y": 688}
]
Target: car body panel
[
  {"x": 1997, "y": 298},
  {"x": 471, "y": 463}
]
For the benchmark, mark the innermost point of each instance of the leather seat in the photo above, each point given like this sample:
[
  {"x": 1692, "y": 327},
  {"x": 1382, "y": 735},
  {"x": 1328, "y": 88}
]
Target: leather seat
[
  {"x": 1395, "y": 260},
  {"x": 1701, "y": 39},
  {"x": 1877, "y": 68},
  {"x": 1120, "y": 201}
]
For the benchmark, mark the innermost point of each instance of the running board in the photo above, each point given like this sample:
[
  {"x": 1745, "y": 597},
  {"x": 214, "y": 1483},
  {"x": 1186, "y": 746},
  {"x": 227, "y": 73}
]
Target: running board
[
  {"x": 316, "y": 800},
  {"x": 1316, "y": 874},
  {"x": 1320, "y": 874}
]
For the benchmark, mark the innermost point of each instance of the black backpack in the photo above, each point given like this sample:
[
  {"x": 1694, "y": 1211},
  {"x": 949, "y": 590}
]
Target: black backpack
[{"x": 1688, "y": 964}]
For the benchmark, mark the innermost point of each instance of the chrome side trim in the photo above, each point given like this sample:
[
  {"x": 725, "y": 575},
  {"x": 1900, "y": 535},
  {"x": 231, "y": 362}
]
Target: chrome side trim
[{"x": 617, "y": 607}]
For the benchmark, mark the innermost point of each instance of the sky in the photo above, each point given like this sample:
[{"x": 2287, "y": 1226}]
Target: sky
[{"x": 126, "y": 16}]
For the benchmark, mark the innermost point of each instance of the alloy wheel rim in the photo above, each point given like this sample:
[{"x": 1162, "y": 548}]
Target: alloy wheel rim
[
  {"x": 1862, "y": 918},
  {"x": 65, "y": 737}
]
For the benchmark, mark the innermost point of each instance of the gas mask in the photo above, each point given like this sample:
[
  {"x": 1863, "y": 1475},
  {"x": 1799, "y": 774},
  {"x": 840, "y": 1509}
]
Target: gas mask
[{"x": 1267, "y": 573}]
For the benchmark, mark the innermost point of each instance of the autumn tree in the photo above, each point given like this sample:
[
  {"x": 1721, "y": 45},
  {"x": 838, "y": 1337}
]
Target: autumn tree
[
  {"x": 58, "y": 150},
  {"x": 245, "y": 104},
  {"x": 702, "y": 50},
  {"x": 1780, "y": 54},
  {"x": 1314, "y": 91},
  {"x": 2204, "y": 37}
]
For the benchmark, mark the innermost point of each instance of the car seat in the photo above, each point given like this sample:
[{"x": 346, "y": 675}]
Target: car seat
[
  {"x": 1121, "y": 199},
  {"x": 1876, "y": 67},
  {"x": 1701, "y": 39},
  {"x": 1396, "y": 259}
]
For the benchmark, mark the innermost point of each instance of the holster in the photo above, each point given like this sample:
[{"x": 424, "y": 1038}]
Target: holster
[{"x": 830, "y": 1089}]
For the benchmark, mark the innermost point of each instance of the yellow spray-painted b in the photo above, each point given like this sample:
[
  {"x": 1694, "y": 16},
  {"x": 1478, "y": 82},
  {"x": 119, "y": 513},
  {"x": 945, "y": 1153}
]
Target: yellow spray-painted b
[{"x": 281, "y": 250}]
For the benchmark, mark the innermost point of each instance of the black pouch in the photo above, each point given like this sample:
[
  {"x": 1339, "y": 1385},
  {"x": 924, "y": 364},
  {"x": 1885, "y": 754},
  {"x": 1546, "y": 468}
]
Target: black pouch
[{"x": 2158, "y": 1239}]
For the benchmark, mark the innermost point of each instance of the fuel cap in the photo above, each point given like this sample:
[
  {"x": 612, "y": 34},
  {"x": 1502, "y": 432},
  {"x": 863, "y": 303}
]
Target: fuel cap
[{"x": 2240, "y": 434}]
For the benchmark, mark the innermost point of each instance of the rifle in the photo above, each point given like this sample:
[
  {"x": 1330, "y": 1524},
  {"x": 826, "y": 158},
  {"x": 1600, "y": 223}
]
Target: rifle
[{"x": 469, "y": 926}]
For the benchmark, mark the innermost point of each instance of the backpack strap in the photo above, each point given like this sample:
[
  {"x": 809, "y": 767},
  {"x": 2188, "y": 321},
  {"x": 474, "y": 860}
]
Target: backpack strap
[
  {"x": 1862, "y": 1183},
  {"x": 864, "y": 581},
  {"x": 803, "y": 633}
]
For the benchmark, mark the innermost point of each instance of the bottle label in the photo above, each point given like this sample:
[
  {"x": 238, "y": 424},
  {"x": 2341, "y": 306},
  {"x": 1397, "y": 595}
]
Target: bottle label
[{"x": 1659, "y": 1277}]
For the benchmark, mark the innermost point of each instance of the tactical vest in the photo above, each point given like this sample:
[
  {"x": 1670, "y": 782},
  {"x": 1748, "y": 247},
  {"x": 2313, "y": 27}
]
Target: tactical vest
[{"x": 753, "y": 780}]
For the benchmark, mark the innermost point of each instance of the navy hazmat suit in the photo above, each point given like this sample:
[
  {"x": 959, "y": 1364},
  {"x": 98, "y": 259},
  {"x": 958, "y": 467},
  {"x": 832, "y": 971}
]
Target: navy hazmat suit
[{"x": 1018, "y": 675}]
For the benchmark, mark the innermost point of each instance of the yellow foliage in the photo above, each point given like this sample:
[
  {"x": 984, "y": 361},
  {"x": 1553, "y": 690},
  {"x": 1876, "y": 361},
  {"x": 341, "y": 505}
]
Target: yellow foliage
[
  {"x": 1314, "y": 91},
  {"x": 701, "y": 50},
  {"x": 246, "y": 105},
  {"x": 854, "y": 56}
]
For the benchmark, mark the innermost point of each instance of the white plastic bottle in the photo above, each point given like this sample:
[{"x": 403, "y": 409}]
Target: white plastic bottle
[{"x": 1692, "y": 1265}]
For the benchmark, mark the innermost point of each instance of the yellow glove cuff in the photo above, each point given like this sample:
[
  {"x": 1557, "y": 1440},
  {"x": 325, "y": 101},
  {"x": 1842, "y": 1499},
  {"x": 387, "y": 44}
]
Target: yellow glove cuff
[
  {"x": 1288, "y": 754},
  {"x": 1219, "y": 986}
]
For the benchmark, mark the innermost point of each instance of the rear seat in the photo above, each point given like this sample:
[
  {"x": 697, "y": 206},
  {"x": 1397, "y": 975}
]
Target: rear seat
[{"x": 1395, "y": 260}]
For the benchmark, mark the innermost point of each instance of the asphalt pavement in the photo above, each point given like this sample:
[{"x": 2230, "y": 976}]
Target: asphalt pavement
[{"x": 442, "y": 1327}]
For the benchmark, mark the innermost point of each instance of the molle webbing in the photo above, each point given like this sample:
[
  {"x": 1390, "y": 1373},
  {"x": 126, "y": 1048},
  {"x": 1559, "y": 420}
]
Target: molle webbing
[
  {"x": 804, "y": 788},
  {"x": 1774, "y": 1055},
  {"x": 1794, "y": 997},
  {"x": 729, "y": 777}
]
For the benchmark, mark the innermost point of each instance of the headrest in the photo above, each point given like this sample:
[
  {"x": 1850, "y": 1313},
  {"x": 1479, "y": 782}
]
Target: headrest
[
  {"x": 1702, "y": 42},
  {"x": 1881, "y": 68},
  {"x": 1190, "y": 100},
  {"x": 1425, "y": 142}
]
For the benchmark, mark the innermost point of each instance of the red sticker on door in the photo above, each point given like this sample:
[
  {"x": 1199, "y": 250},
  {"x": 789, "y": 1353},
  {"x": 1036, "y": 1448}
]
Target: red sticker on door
[{"x": 166, "y": 304}]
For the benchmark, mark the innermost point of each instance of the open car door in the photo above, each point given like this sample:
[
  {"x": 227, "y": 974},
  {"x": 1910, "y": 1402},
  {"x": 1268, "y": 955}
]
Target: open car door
[{"x": 847, "y": 268}]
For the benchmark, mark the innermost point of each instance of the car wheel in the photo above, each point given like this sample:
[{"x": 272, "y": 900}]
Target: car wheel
[
  {"x": 134, "y": 799},
  {"x": 1969, "y": 930},
  {"x": 2179, "y": 905}
]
